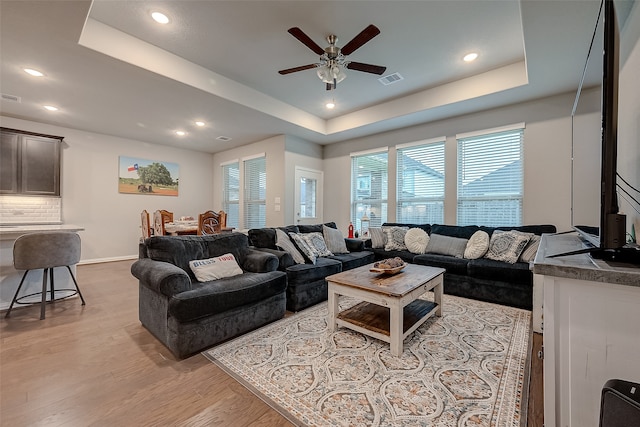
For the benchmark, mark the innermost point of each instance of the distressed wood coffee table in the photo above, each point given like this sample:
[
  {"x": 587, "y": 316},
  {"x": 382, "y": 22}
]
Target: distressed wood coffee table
[{"x": 390, "y": 309}]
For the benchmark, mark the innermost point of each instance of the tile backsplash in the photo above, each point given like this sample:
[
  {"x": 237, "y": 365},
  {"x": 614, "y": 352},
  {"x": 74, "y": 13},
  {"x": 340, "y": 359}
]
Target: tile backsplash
[{"x": 30, "y": 210}]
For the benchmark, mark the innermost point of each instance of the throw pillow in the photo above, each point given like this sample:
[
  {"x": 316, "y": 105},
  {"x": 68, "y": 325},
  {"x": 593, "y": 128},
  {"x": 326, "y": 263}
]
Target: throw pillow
[
  {"x": 529, "y": 251},
  {"x": 395, "y": 239},
  {"x": 378, "y": 237},
  {"x": 507, "y": 246},
  {"x": 284, "y": 243},
  {"x": 317, "y": 243},
  {"x": 477, "y": 246},
  {"x": 306, "y": 250},
  {"x": 446, "y": 245},
  {"x": 416, "y": 240},
  {"x": 215, "y": 268},
  {"x": 334, "y": 240}
]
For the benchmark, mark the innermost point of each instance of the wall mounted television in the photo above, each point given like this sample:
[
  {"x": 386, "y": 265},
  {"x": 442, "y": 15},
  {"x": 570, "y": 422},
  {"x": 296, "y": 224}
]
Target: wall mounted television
[{"x": 594, "y": 203}]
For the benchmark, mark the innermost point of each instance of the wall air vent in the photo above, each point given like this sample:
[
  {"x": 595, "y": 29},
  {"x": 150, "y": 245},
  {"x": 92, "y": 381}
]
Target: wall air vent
[
  {"x": 223, "y": 138},
  {"x": 390, "y": 79},
  {"x": 10, "y": 98}
]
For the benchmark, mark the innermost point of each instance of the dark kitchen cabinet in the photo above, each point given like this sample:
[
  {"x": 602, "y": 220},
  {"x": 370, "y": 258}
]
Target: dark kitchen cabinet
[{"x": 30, "y": 163}]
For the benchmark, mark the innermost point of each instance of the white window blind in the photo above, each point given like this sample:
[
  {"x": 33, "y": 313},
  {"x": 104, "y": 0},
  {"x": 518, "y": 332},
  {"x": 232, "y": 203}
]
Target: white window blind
[
  {"x": 369, "y": 183},
  {"x": 255, "y": 189},
  {"x": 231, "y": 193},
  {"x": 420, "y": 184},
  {"x": 490, "y": 179}
]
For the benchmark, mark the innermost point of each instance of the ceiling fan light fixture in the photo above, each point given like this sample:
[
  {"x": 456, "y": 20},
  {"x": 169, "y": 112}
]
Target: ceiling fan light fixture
[{"x": 330, "y": 105}]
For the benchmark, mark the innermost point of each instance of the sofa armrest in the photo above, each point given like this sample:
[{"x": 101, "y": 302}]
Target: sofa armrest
[
  {"x": 162, "y": 277},
  {"x": 354, "y": 245},
  {"x": 285, "y": 259},
  {"x": 259, "y": 261}
]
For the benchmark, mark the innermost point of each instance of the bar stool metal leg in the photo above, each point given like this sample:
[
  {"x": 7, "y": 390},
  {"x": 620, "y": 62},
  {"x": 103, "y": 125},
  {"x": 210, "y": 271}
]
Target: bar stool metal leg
[
  {"x": 53, "y": 297},
  {"x": 76, "y": 283},
  {"x": 15, "y": 297},
  {"x": 44, "y": 293}
]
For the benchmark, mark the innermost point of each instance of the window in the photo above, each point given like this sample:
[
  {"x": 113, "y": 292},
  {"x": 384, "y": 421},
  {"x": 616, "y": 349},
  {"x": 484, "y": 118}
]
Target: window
[
  {"x": 420, "y": 182},
  {"x": 369, "y": 182},
  {"x": 490, "y": 178},
  {"x": 255, "y": 189},
  {"x": 231, "y": 193}
]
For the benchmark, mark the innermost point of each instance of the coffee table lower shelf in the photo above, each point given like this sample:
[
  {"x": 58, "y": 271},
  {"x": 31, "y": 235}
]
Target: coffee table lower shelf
[{"x": 374, "y": 320}]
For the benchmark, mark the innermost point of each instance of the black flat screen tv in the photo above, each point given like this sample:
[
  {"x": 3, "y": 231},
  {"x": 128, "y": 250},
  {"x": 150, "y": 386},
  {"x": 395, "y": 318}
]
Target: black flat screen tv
[{"x": 595, "y": 213}]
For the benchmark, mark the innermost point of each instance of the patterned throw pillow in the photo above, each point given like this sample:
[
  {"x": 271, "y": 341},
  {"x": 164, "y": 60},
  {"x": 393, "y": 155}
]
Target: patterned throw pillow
[
  {"x": 529, "y": 252},
  {"x": 284, "y": 243},
  {"x": 334, "y": 240},
  {"x": 308, "y": 252},
  {"x": 477, "y": 246},
  {"x": 395, "y": 239},
  {"x": 507, "y": 246},
  {"x": 317, "y": 243},
  {"x": 416, "y": 240},
  {"x": 378, "y": 237}
]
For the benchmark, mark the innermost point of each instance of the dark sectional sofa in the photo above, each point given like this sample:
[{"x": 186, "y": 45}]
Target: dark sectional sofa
[
  {"x": 482, "y": 279},
  {"x": 306, "y": 284}
]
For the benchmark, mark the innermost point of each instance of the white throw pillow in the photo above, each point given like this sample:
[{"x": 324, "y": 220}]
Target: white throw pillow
[
  {"x": 416, "y": 240},
  {"x": 284, "y": 243},
  {"x": 477, "y": 246},
  {"x": 378, "y": 237},
  {"x": 216, "y": 268}
]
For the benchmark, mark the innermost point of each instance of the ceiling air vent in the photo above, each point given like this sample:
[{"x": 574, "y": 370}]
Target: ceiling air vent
[
  {"x": 223, "y": 138},
  {"x": 390, "y": 79},
  {"x": 10, "y": 98}
]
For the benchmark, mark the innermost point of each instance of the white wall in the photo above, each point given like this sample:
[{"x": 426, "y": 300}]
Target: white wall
[
  {"x": 547, "y": 164},
  {"x": 89, "y": 191},
  {"x": 298, "y": 152}
]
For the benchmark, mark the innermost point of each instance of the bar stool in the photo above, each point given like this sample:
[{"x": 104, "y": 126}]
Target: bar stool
[{"x": 46, "y": 250}]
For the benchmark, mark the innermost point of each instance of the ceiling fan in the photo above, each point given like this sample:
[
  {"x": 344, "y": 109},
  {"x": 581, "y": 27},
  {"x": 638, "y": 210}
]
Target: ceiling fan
[{"x": 333, "y": 59}]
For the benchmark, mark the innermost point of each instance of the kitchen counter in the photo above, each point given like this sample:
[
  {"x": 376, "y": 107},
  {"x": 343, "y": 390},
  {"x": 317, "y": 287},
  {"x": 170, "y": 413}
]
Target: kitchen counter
[{"x": 11, "y": 231}]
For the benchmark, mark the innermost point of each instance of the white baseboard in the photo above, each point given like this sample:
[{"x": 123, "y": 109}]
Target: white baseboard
[{"x": 111, "y": 259}]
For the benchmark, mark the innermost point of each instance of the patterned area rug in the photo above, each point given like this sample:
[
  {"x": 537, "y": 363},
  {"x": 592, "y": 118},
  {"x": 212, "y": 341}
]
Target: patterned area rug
[{"x": 469, "y": 367}]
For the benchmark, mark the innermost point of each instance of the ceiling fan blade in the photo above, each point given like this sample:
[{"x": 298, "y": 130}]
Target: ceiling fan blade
[
  {"x": 367, "y": 68},
  {"x": 295, "y": 69},
  {"x": 306, "y": 40},
  {"x": 365, "y": 35}
]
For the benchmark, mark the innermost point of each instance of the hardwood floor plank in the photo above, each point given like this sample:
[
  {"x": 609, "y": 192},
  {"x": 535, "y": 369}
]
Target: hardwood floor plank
[{"x": 96, "y": 365}]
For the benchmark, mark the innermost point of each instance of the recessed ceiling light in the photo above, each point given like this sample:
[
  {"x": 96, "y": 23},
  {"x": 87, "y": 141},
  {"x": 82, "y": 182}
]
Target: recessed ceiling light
[
  {"x": 330, "y": 105},
  {"x": 199, "y": 123},
  {"x": 50, "y": 108},
  {"x": 32, "y": 72},
  {"x": 160, "y": 18},
  {"x": 180, "y": 133},
  {"x": 470, "y": 57}
]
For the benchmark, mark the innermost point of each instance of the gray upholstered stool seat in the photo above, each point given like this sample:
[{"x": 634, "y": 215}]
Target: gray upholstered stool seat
[{"x": 46, "y": 250}]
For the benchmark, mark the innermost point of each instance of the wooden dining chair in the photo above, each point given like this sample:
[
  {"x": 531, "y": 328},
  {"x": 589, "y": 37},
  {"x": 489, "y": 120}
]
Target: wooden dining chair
[
  {"x": 211, "y": 222},
  {"x": 160, "y": 217},
  {"x": 166, "y": 216},
  {"x": 146, "y": 227}
]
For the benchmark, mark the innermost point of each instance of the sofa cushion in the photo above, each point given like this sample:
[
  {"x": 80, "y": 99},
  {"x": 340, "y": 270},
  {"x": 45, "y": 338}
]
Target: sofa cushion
[
  {"x": 215, "y": 268},
  {"x": 221, "y": 295},
  {"x": 477, "y": 246},
  {"x": 484, "y": 268},
  {"x": 290, "y": 229},
  {"x": 381, "y": 254},
  {"x": 354, "y": 259},
  {"x": 460, "y": 231},
  {"x": 416, "y": 240},
  {"x": 284, "y": 242},
  {"x": 304, "y": 273},
  {"x": 314, "y": 228},
  {"x": 451, "y": 264},
  {"x": 446, "y": 245},
  {"x": 334, "y": 240},
  {"x": 263, "y": 237},
  {"x": 507, "y": 246},
  {"x": 395, "y": 238},
  {"x": 535, "y": 229},
  {"x": 425, "y": 227}
]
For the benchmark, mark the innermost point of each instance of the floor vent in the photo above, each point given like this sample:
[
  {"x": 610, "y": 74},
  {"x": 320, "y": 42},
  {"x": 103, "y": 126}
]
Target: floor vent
[
  {"x": 223, "y": 138},
  {"x": 390, "y": 79},
  {"x": 10, "y": 98}
]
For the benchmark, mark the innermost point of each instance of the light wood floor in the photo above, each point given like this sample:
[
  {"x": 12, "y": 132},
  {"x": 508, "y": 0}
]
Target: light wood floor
[{"x": 96, "y": 365}]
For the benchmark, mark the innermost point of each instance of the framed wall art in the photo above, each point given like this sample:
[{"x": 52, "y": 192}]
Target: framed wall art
[{"x": 150, "y": 177}]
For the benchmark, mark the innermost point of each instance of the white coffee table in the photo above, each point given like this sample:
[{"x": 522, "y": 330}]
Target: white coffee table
[{"x": 390, "y": 309}]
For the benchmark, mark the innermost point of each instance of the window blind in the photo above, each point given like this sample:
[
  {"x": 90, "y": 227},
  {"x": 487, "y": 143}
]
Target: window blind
[
  {"x": 369, "y": 183},
  {"x": 490, "y": 179},
  {"x": 420, "y": 184},
  {"x": 231, "y": 193},
  {"x": 255, "y": 189}
]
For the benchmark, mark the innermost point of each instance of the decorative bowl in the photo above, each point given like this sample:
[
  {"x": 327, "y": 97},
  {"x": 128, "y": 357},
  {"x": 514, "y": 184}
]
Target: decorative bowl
[{"x": 393, "y": 270}]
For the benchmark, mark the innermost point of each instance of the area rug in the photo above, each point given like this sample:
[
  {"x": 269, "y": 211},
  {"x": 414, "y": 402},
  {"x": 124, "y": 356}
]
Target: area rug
[{"x": 469, "y": 367}]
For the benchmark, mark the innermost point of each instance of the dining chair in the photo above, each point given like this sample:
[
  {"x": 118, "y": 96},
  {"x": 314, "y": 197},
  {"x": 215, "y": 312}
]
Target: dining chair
[
  {"x": 146, "y": 227},
  {"x": 160, "y": 217},
  {"x": 211, "y": 222},
  {"x": 46, "y": 250}
]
